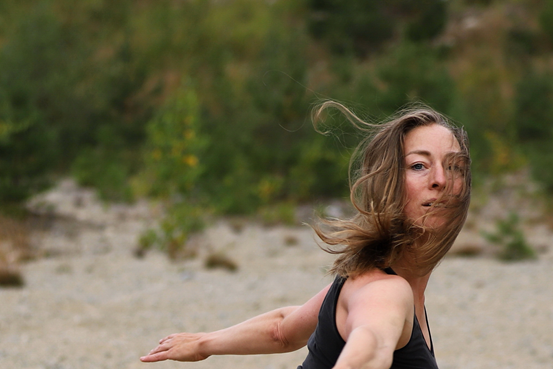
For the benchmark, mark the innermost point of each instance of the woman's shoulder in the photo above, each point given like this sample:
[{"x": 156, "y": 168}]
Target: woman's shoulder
[
  {"x": 372, "y": 298},
  {"x": 377, "y": 276},
  {"x": 378, "y": 284}
]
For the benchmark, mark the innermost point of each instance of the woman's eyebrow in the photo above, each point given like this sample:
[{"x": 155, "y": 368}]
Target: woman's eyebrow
[
  {"x": 427, "y": 153},
  {"x": 418, "y": 152}
]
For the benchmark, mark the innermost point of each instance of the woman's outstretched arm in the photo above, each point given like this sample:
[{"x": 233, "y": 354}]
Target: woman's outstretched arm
[
  {"x": 379, "y": 320},
  {"x": 282, "y": 330}
]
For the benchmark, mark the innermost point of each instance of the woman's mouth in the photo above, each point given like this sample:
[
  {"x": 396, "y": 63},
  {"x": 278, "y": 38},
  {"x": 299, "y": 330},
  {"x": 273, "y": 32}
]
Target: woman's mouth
[{"x": 429, "y": 203}]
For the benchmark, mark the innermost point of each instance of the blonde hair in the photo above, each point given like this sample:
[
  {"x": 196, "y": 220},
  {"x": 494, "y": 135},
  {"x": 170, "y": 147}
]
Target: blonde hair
[{"x": 379, "y": 233}]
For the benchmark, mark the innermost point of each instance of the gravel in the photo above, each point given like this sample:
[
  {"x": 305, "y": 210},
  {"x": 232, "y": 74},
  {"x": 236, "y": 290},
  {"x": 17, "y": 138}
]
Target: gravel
[{"x": 89, "y": 303}]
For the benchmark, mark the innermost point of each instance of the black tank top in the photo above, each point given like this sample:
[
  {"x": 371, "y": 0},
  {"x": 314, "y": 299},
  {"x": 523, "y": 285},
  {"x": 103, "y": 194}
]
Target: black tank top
[{"x": 326, "y": 344}]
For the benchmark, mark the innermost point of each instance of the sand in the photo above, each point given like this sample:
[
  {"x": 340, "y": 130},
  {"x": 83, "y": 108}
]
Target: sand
[{"x": 88, "y": 302}]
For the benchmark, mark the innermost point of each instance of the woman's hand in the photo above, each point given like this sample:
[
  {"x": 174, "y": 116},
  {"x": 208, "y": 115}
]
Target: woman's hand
[
  {"x": 281, "y": 330},
  {"x": 178, "y": 346}
]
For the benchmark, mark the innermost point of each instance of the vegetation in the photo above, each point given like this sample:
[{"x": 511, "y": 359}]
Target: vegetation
[
  {"x": 204, "y": 104},
  {"x": 510, "y": 236}
]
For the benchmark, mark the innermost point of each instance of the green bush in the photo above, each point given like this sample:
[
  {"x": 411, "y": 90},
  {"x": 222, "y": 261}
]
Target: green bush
[
  {"x": 524, "y": 43},
  {"x": 533, "y": 116},
  {"x": 479, "y": 2},
  {"x": 256, "y": 116},
  {"x": 429, "y": 22},
  {"x": 352, "y": 26},
  {"x": 66, "y": 92},
  {"x": 413, "y": 72},
  {"x": 509, "y": 235},
  {"x": 106, "y": 171},
  {"x": 179, "y": 223},
  {"x": 364, "y": 26},
  {"x": 540, "y": 157},
  {"x": 533, "y": 120},
  {"x": 248, "y": 131},
  {"x": 173, "y": 163},
  {"x": 33, "y": 85},
  {"x": 546, "y": 19},
  {"x": 105, "y": 90},
  {"x": 175, "y": 146}
]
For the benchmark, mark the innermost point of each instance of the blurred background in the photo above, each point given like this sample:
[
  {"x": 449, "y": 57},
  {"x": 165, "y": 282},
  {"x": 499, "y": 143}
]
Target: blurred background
[
  {"x": 130, "y": 126},
  {"x": 204, "y": 105}
]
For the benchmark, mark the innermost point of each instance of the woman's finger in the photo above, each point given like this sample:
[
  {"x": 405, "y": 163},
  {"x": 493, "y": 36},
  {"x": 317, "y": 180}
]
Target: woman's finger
[
  {"x": 166, "y": 338},
  {"x": 160, "y": 356},
  {"x": 161, "y": 348}
]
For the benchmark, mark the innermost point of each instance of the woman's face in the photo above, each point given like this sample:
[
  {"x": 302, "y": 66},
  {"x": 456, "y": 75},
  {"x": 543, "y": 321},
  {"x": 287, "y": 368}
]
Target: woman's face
[{"x": 426, "y": 153}]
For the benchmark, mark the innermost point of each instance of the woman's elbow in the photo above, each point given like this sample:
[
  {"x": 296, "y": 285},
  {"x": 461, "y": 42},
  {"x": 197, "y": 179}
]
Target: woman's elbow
[
  {"x": 279, "y": 339},
  {"x": 283, "y": 342},
  {"x": 285, "y": 333}
]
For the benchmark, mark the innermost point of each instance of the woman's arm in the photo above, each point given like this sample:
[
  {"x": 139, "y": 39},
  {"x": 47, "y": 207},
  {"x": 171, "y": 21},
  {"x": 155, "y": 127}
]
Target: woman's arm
[
  {"x": 282, "y": 330},
  {"x": 377, "y": 319}
]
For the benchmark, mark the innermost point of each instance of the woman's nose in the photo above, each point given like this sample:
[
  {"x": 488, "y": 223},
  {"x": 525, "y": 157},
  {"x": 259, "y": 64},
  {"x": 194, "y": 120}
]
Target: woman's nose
[{"x": 438, "y": 177}]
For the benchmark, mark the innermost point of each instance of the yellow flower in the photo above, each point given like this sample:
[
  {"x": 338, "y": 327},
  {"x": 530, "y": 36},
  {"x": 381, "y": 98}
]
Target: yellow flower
[
  {"x": 189, "y": 134},
  {"x": 266, "y": 189},
  {"x": 190, "y": 160}
]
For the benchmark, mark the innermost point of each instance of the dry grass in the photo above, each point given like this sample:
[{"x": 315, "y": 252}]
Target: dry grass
[
  {"x": 14, "y": 248},
  {"x": 10, "y": 276},
  {"x": 220, "y": 260},
  {"x": 14, "y": 240},
  {"x": 291, "y": 240}
]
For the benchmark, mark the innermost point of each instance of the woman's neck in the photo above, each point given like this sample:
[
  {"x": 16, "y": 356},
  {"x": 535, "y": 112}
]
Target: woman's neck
[{"x": 418, "y": 283}]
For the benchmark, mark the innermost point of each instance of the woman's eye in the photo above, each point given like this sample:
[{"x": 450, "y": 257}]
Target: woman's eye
[
  {"x": 455, "y": 168},
  {"x": 417, "y": 166}
]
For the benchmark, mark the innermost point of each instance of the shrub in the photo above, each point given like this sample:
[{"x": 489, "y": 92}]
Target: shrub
[
  {"x": 533, "y": 120},
  {"x": 220, "y": 260},
  {"x": 175, "y": 146},
  {"x": 67, "y": 91},
  {"x": 281, "y": 213},
  {"x": 30, "y": 86},
  {"x": 413, "y": 72},
  {"x": 105, "y": 170},
  {"x": 10, "y": 277},
  {"x": 509, "y": 235},
  {"x": 256, "y": 116},
  {"x": 533, "y": 115},
  {"x": 429, "y": 22},
  {"x": 181, "y": 220},
  {"x": 364, "y": 26},
  {"x": 546, "y": 19},
  {"x": 353, "y": 26},
  {"x": 173, "y": 164},
  {"x": 540, "y": 157}
]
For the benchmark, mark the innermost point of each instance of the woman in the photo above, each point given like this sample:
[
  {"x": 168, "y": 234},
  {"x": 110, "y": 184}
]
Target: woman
[{"x": 411, "y": 194}]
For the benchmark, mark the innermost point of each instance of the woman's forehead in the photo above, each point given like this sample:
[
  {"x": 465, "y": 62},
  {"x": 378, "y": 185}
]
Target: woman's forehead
[{"x": 432, "y": 138}]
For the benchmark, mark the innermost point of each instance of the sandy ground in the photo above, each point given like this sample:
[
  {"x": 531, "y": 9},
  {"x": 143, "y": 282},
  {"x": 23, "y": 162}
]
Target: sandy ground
[{"x": 89, "y": 303}]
